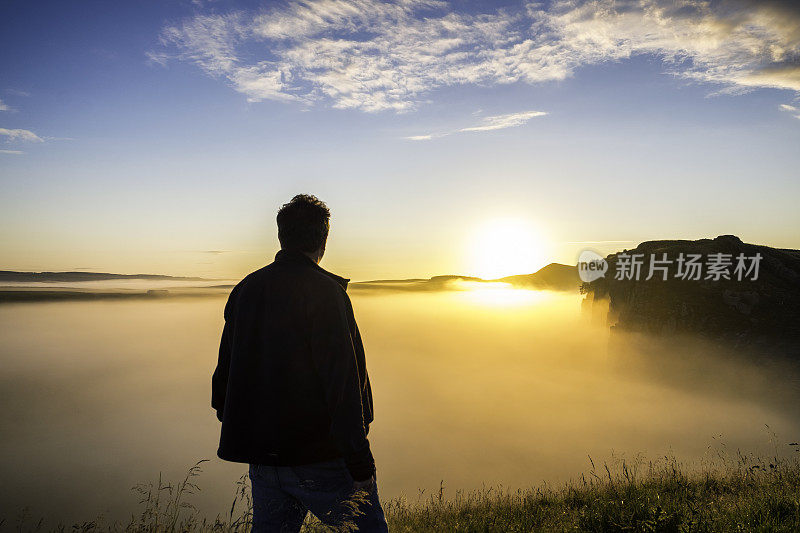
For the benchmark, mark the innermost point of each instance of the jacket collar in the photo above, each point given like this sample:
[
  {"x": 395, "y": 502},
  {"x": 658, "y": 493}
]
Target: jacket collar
[{"x": 287, "y": 256}]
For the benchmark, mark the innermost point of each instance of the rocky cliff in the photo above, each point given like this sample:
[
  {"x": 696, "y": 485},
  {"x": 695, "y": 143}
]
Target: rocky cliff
[{"x": 759, "y": 311}]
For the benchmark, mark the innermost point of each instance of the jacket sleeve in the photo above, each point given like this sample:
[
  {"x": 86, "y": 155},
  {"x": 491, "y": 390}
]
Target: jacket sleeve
[
  {"x": 366, "y": 388},
  {"x": 334, "y": 358},
  {"x": 219, "y": 381}
]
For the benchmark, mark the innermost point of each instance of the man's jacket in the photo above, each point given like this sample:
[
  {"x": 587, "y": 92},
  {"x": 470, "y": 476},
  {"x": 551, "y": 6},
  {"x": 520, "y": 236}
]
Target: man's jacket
[{"x": 291, "y": 385}]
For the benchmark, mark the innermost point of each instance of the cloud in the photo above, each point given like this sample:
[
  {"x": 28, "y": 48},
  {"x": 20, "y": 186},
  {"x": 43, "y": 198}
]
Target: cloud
[
  {"x": 20, "y": 135},
  {"x": 500, "y": 122},
  {"x": 376, "y": 55},
  {"x": 791, "y": 109},
  {"x": 12, "y": 152},
  {"x": 4, "y": 106},
  {"x": 497, "y": 122}
]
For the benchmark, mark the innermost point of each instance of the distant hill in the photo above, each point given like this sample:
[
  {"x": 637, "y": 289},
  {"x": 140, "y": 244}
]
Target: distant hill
[
  {"x": 29, "y": 295},
  {"x": 10, "y": 275},
  {"x": 761, "y": 313},
  {"x": 552, "y": 277},
  {"x": 555, "y": 276},
  {"x": 436, "y": 283}
]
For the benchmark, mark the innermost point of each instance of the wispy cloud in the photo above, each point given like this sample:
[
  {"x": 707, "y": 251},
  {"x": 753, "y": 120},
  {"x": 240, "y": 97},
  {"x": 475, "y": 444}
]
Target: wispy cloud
[
  {"x": 497, "y": 122},
  {"x": 12, "y": 152},
  {"x": 385, "y": 55},
  {"x": 500, "y": 122},
  {"x": 4, "y": 106},
  {"x": 791, "y": 109},
  {"x": 20, "y": 135}
]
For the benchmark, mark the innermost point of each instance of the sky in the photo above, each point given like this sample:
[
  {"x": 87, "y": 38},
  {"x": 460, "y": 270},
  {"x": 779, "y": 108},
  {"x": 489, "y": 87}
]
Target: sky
[{"x": 163, "y": 136}]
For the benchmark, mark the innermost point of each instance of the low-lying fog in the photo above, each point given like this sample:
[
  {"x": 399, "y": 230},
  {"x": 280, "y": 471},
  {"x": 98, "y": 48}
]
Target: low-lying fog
[{"x": 477, "y": 388}]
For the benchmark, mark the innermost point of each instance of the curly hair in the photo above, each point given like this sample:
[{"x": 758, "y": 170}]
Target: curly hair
[{"x": 303, "y": 224}]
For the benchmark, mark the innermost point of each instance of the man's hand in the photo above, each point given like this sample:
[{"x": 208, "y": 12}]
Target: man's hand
[{"x": 366, "y": 485}]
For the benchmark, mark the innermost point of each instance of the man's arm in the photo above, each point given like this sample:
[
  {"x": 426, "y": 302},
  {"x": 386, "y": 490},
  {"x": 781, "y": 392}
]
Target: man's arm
[
  {"x": 361, "y": 360},
  {"x": 219, "y": 381},
  {"x": 335, "y": 360}
]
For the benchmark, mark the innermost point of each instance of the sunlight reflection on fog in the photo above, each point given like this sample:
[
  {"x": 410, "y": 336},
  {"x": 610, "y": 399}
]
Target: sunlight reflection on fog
[{"x": 499, "y": 293}]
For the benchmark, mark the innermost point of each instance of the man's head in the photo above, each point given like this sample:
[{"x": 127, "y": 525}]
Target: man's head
[{"x": 303, "y": 225}]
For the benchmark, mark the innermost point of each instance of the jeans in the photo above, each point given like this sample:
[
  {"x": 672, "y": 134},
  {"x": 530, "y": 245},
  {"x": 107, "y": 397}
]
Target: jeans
[{"x": 283, "y": 495}]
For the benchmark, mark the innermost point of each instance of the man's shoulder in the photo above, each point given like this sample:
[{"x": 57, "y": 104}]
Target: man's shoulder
[
  {"x": 315, "y": 279},
  {"x": 252, "y": 276},
  {"x": 322, "y": 282}
]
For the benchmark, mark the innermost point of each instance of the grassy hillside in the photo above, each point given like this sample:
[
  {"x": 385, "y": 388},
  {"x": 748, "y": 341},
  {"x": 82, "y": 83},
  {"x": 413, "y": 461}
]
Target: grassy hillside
[
  {"x": 739, "y": 494},
  {"x": 750, "y": 497}
]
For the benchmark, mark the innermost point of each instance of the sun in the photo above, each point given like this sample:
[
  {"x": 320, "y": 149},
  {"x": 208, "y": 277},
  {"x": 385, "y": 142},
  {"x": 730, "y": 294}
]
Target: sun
[{"x": 506, "y": 246}]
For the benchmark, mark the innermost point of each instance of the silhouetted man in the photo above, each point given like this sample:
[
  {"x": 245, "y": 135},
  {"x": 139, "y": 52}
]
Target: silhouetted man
[{"x": 291, "y": 386}]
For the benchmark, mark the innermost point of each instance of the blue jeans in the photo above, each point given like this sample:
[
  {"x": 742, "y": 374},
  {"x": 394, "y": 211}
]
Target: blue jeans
[{"x": 283, "y": 495}]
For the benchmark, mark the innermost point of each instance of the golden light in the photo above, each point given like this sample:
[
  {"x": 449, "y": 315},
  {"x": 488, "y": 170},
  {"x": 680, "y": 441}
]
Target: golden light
[
  {"x": 506, "y": 246},
  {"x": 499, "y": 294}
]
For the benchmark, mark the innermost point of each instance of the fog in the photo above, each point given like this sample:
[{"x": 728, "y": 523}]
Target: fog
[{"x": 481, "y": 387}]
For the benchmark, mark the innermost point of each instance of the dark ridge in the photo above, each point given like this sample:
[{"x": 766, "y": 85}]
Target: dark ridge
[
  {"x": 67, "y": 295},
  {"x": 554, "y": 277},
  {"x": 11, "y": 275}
]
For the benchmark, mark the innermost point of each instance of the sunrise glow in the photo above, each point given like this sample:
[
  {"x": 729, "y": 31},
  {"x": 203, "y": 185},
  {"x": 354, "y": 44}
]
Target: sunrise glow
[{"x": 506, "y": 246}]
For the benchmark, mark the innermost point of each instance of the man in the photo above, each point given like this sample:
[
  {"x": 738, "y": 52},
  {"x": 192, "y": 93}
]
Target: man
[{"x": 291, "y": 386}]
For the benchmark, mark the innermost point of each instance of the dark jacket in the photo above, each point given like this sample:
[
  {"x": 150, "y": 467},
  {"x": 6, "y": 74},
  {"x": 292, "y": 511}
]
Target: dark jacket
[{"x": 291, "y": 385}]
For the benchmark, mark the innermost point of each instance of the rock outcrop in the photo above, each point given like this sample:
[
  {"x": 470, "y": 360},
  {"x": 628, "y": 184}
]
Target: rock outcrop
[{"x": 761, "y": 313}]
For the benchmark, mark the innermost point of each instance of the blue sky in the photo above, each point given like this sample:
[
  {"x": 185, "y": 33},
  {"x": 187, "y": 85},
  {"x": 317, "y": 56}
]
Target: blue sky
[{"x": 144, "y": 136}]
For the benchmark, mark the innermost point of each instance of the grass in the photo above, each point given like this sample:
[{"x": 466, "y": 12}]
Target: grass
[
  {"x": 745, "y": 495},
  {"x": 742, "y": 493}
]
